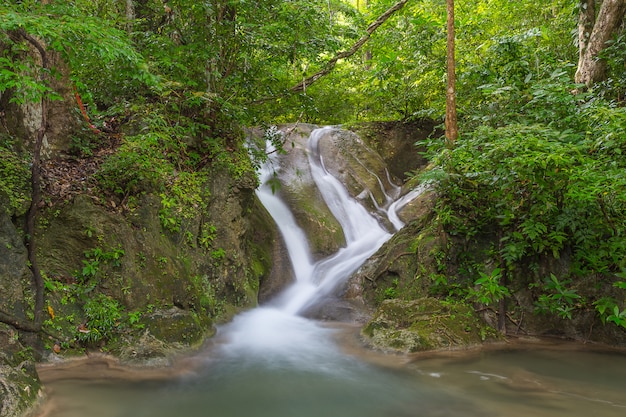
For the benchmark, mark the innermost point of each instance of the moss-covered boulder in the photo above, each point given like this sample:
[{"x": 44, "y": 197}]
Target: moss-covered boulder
[
  {"x": 15, "y": 276},
  {"x": 405, "y": 265},
  {"x": 398, "y": 143},
  {"x": 423, "y": 324},
  {"x": 19, "y": 384}
]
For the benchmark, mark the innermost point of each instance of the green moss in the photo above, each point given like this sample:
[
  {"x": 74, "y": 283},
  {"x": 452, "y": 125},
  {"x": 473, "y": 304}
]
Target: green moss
[
  {"x": 423, "y": 324},
  {"x": 177, "y": 326},
  {"x": 14, "y": 182}
]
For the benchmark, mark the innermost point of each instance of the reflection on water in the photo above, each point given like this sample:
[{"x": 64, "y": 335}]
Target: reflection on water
[
  {"x": 536, "y": 382},
  {"x": 517, "y": 383}
]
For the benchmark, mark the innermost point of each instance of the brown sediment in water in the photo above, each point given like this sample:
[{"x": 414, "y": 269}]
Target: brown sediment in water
[
  {"x": 96, "y": 368},
  {"x": 102, "y": 367}
]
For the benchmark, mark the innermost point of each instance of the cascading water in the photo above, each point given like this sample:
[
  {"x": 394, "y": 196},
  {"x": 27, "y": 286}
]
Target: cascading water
[{"x": 275, "y": 332}]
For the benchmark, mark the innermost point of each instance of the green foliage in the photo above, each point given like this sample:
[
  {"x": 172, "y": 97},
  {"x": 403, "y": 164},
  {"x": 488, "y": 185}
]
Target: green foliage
[
  {"x": 183, "y": 201},
  {"x": 97, "y": 257},
  {"x": 218, "y": 254},
  {"x": 402, "y": 74},
  {"x": 102, "y": 318},
  {"x": 558, "y": 298},
  {"x": 207, "y": 235},
  {"x": 104, "y": 64},
  {"x": 391, "y": 291},
  {"x": 134, "y": 320},
  {"x": 542, "y": 190},
  {"x": 488, "y": 289},
  {"x": 609, "y": 311},
  {"x": 22, "y": 79},
  {"x": 138, "y": 166}
]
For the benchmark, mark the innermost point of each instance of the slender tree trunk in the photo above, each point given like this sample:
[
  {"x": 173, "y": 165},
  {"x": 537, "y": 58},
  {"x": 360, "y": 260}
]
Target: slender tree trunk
[
  {"x": 130, "y": 16},
  {"x": 36, "y": 186},
  {"x": 591, "y": 68},
  {"x": 452, "y": 130}
]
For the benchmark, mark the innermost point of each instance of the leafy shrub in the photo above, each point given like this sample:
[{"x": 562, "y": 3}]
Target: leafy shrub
[
  {"x": 102, "y": 317},
  {"x": 536, "y": 193},
  {"x": 137, "y": 167}
]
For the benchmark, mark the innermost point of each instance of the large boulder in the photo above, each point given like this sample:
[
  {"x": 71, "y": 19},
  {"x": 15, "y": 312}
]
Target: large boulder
[
  {"x": 297, "y": 188},
  {"x": 423, "y": 324},
  {"x": 19, "y": 384},
  {"x": 161, "y": 285}
]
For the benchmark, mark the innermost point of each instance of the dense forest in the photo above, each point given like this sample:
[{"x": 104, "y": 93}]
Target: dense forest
[{"x": 161, "y": 91}]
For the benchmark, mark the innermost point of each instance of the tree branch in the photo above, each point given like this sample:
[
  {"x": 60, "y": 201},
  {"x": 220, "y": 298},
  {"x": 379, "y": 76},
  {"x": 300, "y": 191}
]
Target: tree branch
[
  {"x": 345, "y": 54},
  {"x": 19, "y": 324}
]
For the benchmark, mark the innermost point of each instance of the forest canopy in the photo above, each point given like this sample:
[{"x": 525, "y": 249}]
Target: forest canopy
[{"x": 245, "y": 56}]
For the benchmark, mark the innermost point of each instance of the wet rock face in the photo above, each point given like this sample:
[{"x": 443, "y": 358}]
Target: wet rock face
[
  {"x": 347, "y": 157},
  {"x": 297, "y": 188},
  {"x": 398, "y": 143},
  {"x": 360, "y": 168},
  {"x": 14, "y": 272},
  {"x": 19, "y": 384}
]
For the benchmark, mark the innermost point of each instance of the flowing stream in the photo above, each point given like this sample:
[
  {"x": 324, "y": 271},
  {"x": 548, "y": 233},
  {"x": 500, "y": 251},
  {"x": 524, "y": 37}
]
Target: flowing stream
[{"x": 273, "y": 362}]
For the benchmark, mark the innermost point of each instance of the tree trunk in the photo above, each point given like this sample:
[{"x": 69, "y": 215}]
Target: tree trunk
[
  {"x": 130, "y": 16},
  {"x": 591, "y": 68},
  {"x": 586, "y": 19},
  {"x": 36, "y": 186},
  {"x": 452, "y": 130}
]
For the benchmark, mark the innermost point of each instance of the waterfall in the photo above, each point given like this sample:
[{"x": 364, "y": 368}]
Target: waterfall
[
  {"x": 276, "y": 331},
  {"x": 272, "y": 362}
]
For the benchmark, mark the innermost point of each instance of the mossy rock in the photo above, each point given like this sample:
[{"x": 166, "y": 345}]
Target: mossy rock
[
  {"x": 178, "y": 286},
  {"x": 423, "y": 324},
  {"x": 176, "y": 326},
  {"x": 19, "y": 383}
]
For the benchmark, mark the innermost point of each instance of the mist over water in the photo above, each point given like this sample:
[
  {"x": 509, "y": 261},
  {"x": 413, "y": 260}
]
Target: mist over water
[{"x": 272, "y": 362}]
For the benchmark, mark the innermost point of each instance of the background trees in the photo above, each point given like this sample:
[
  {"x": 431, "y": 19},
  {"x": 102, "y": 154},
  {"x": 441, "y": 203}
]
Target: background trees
[{"x": 597, "y": 25}]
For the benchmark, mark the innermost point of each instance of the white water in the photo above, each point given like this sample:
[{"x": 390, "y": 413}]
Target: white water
[{"x": 275, "y": 333}]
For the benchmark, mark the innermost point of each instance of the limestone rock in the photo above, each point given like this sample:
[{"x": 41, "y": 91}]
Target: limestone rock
[{"x": 422, "y": 324}]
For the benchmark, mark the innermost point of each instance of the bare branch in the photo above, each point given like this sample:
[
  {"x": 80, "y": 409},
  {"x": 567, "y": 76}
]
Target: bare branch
[{"x": 345, "y": 54}]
